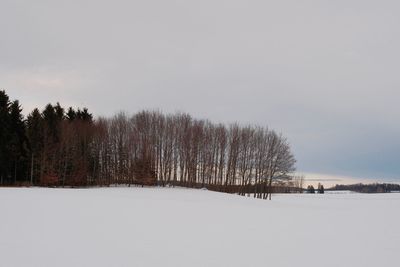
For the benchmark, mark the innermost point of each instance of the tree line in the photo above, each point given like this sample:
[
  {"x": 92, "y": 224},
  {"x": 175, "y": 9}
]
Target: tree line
[
  {"x": 68, "y": 147},
  {"x": 368, "y": 188}
]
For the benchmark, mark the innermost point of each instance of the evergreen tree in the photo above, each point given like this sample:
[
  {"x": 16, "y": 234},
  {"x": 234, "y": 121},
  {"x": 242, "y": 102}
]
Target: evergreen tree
[
  {"x": 59, "y": 112},
  {"x": 84, "y": 115},
  {"x": 18, "y": 142},
  {"x": 52, "y": 116},
  {"x": 51, "y": 124},
  {"x": 71, "y": 114},
  {"x": 5, "y": 133},
  {"x": 13, "y": 141},
  {"x": 35, "y": 137}
]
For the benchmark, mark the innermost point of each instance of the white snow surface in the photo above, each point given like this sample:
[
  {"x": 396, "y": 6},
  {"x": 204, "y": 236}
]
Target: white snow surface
[{"x": 183, "y": 227}]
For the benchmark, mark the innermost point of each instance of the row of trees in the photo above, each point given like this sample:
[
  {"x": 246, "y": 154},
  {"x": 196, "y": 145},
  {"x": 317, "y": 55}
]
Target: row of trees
[
  {"x": 58, "y": 147},
  {"x": 46, "y": 148},
  {"x": 368, "y": 188}
]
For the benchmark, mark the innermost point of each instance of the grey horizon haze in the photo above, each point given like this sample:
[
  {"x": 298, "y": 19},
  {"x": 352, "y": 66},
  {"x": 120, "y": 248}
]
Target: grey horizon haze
[{"x": 324, "y": 73}]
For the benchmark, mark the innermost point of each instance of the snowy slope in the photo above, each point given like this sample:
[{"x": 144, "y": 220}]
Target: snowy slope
[{"x": 180, "y": 227}]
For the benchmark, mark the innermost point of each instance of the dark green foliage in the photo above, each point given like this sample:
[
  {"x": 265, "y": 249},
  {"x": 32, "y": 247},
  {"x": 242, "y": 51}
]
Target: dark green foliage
[
  {"x": 59, "y": 111},
  {"x": 51, "y": 118},
  {"x": 13, "y": 142},
  {"x": 71, "y": 114},
  {"x": 5, "y": 134},
  {"x": 35, "y": 133},
  {"x": 84, "y": 115},
  {"x": 51, "y": 147},
  {"x": 18, "y": 142}
]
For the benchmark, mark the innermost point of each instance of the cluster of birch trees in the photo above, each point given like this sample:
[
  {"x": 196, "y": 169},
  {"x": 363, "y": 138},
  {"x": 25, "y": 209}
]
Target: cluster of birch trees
[
  {"x": 153, "y": 148},
  {"x": 70, "y": 148}
]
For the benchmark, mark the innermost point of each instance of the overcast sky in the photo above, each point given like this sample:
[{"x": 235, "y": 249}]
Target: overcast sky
[{"x": 324, "y": 73}]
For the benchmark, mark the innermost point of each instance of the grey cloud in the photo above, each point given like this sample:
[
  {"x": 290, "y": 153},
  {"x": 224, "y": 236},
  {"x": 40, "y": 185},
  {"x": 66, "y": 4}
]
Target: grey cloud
[{"x": 325, "y": 73}]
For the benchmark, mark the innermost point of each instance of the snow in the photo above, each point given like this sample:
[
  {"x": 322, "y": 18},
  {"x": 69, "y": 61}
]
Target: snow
[{"x": 182, "y": 227}]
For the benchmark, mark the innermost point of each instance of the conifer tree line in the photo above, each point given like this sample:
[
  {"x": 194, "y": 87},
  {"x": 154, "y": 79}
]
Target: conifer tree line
[{"x": 59, "y": 146}]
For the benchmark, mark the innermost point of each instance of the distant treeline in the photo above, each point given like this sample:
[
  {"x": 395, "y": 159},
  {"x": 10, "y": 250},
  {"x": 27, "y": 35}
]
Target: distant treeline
[
  {"x": 368, "y": 188},
  {"x": 56, "y": 146}
]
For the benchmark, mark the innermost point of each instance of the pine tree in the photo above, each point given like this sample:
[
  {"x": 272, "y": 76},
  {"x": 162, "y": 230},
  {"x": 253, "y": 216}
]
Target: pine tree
[
  {"x": 52, "y": 116},
  {"x": 84, "y": 115},
  {"x": 13, "y": 141},
  {"x": 35, "y": 137},
  {"x": 5, "y": 134},
  {"x": 71, "y": 114},
  {"x": 18, "y": 142}
]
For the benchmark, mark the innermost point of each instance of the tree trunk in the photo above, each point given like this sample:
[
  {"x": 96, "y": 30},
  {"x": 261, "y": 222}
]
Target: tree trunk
[{"x": 32, "y": 169}]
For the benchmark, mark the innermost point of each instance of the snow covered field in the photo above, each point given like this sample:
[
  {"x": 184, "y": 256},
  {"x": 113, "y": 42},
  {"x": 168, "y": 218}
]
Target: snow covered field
[{"x": 181, "y": 227}]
